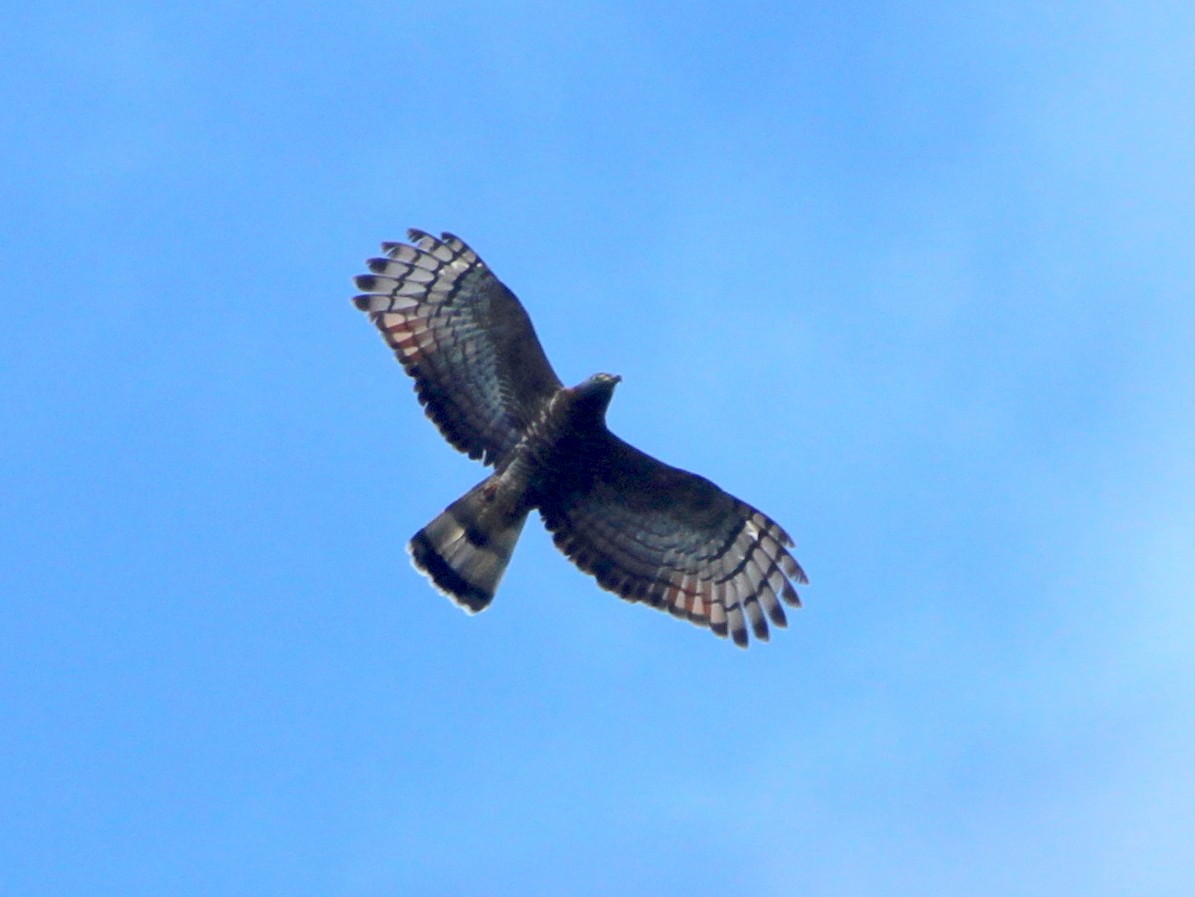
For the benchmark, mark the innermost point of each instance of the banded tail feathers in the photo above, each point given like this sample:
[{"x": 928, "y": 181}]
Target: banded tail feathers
[{"x": 465, "y": 550}]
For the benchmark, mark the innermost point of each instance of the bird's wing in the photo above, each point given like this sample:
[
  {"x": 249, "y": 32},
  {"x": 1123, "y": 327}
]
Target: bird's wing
[
  {"x": 465, "y": 338},
  {"x": 652, "y": 533}
]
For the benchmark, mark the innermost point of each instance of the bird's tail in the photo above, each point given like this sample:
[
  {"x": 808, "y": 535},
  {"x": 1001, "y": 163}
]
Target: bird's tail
[{"x": 465, "y": 550}]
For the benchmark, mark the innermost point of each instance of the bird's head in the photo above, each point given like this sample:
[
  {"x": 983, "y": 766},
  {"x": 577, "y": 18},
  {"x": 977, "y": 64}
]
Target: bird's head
[
  {"x": 603, "y": 381},
  {"x": 595, "y": 393}
]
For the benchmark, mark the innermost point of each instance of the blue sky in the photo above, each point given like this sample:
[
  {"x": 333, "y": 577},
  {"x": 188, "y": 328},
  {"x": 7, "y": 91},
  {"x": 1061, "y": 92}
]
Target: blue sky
[{"x": 915, "y": 279}]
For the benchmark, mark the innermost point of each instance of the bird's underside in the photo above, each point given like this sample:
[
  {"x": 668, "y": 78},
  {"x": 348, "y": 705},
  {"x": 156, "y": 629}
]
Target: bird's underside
[{"x": 646, "y": 531}]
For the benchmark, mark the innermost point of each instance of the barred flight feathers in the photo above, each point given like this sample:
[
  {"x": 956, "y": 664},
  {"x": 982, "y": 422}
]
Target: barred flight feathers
[
  {"x": 646, "y": 531},
  {"x": 479, "y": 369},
  {"x": 652, "y": 533}
]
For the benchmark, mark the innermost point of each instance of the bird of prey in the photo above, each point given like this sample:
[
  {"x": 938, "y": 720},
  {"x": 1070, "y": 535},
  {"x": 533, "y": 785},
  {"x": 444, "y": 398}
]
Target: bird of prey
[{"x": 646, "y": 531}]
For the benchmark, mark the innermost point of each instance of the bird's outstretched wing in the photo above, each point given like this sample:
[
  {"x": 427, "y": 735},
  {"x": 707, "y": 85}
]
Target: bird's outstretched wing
[
  {"x": 652, "y": 533},
  {"x": 465, "y": 338}
]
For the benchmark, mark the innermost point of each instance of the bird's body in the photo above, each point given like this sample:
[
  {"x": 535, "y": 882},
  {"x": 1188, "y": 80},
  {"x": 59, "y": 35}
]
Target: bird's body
[
  {"x": 646, "y": 531},
  {"x": 466, "y": 549}
]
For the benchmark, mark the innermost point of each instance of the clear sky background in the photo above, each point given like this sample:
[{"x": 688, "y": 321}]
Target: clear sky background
[{"x": 917, "y": 279}]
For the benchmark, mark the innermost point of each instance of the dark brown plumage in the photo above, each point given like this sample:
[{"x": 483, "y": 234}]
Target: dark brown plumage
[{"x": 646, "y": 531}]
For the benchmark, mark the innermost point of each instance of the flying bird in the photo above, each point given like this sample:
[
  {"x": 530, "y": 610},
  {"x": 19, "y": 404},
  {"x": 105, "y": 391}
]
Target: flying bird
[{"x": 646, "y": 531}]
